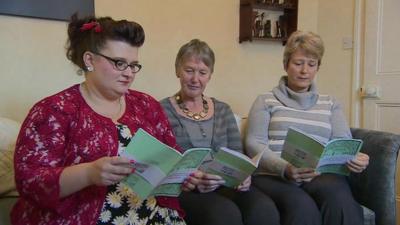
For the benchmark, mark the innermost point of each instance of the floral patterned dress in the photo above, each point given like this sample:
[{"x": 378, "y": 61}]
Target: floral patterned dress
[{"x": 123, "y": 207}]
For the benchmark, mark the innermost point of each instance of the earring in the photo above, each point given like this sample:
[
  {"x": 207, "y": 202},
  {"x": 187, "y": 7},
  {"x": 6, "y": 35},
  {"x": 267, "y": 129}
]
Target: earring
[{"x": 88, "y": 68}]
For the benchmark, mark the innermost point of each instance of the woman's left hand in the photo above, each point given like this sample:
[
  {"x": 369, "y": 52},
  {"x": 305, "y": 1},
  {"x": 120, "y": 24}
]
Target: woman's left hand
[
  {"x": 209, "y": 182},
  {"x": 204, "y": 182},
  {"x": 192, "y": 181},
  {"x": 245, "y": 186},
  {"x": 359, "y": 163}
]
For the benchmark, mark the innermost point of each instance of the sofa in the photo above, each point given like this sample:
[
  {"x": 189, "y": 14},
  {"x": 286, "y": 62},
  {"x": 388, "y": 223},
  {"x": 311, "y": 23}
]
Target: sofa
[
  {"x": 8, "y": 195},
  {"x": 375, "y": 188}
]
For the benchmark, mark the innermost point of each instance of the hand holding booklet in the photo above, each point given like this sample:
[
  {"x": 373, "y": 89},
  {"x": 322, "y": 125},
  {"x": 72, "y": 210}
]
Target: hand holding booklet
[
  {"x": 161, "y": 170},
  {"x": 304, "y": 150},
  {"x": 233, "y": 166}
]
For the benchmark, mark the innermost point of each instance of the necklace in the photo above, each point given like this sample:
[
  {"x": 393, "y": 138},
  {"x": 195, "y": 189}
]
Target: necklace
[
  {"x": 193, "y": 115},
  {"x": 120, "y": 107},
  {"x": 202, "y": 131},
  {"x": 116, "y": 115},
  {"x": 96, "y": 109}
]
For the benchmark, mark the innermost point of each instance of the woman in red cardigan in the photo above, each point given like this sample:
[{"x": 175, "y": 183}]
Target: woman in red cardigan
[{"x": 67, "y": 164}]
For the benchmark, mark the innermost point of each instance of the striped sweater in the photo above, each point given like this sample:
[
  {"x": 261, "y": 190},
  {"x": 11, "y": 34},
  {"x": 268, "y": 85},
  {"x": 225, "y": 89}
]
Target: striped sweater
[{"x": 274, "y": 112}]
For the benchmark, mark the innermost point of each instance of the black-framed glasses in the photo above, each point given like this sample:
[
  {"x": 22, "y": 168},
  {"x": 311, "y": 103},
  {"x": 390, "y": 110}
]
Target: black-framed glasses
[{"x": 121, "y": 65}]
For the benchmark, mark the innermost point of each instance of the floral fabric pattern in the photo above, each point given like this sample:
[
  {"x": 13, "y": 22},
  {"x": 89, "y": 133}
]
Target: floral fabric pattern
[
  {"x": 61, "y": 131},
  {"x": 123, "y": 207}
]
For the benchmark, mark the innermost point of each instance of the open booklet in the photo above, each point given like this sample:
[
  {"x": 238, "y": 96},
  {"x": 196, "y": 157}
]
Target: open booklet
[
  {"x": 161, "y": 170},
  {"x": 304, "y": 150},
  {"x": 233, "y": 166}
]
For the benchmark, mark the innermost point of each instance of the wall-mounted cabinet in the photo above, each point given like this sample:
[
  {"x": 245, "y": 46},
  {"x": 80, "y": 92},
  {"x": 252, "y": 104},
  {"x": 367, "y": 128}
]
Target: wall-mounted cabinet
[{"x": 267, "y": 20}]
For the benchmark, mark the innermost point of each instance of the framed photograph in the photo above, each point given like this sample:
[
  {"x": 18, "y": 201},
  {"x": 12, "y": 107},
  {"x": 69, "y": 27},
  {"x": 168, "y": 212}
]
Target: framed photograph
[{"x": 47, "y": 9}]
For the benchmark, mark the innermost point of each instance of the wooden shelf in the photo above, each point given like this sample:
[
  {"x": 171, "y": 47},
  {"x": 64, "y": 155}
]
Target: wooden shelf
[
  {"x": 275, "y": 7},
  {"x": 253, "y": 25},
  {"x": 268, "y": 39},
  {"x": 261, "y": 39}
]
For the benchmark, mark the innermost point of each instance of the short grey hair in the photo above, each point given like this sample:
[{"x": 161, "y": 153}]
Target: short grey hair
[{"x": 195, "y": 48}]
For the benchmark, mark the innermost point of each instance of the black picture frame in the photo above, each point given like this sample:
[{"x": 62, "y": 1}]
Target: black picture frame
[{"x": 47, "y": 9}]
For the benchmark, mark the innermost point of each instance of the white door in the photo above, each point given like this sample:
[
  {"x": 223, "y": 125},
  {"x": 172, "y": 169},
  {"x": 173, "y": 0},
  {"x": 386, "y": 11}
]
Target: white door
[
  {"x": 382, "y": 66},
  {"x": 381, "y": 71}
]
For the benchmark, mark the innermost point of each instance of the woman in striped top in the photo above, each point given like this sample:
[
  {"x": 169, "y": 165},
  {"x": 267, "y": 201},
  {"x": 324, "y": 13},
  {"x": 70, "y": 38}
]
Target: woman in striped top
[{"x": 301, "y": 194}]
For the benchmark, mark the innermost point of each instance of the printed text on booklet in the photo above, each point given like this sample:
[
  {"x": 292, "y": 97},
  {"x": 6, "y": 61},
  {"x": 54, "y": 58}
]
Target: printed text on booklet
[{"x": 305, "y": 151}]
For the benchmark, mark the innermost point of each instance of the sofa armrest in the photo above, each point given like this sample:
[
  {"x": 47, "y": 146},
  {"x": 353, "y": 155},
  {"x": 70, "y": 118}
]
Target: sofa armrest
[
  {"x": 375, "y": 188},
  {"x": 6, "y": 204}
]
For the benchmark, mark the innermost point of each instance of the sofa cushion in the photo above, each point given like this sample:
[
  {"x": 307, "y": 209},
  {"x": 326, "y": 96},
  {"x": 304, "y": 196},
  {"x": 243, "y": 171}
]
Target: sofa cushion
[
  {"x": 369, "y": 216},
  {"x": 6, "y": 204},
  {"x": 8, "y": 134},
  {"x": 7, "y": 186}
]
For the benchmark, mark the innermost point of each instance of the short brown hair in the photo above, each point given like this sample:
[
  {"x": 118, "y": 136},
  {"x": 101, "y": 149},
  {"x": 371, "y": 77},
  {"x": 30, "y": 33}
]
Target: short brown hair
[{"x": 308, "y": 42}]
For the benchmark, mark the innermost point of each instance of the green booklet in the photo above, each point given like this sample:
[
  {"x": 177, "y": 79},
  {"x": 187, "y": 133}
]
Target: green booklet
[
  {"x": 160, "y": 169},
  {"x": 233, "y": 166},
  {"x": 304, "y": 150}
]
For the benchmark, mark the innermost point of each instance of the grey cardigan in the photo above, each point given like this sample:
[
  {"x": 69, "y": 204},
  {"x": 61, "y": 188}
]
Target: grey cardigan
[{"x": 225, "y": 130}]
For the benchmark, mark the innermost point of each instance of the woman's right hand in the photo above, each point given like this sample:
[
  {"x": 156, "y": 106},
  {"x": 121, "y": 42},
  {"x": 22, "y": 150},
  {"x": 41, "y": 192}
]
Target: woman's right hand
[
  {"x": 299, "y": 174},
  {"x": 104, "y": 171},
  {"x": 204, "y": 182},
  {"x": 109, "y": 170}
]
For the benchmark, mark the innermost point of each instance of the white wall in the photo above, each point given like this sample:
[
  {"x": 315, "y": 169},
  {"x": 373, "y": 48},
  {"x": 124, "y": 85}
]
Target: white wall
[{"x": 33, "y": 63}]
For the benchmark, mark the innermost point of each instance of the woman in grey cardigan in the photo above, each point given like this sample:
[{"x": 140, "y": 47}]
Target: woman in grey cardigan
[
  {"x": 201, "y": 121},
  {"x": 302, "y": 195}
]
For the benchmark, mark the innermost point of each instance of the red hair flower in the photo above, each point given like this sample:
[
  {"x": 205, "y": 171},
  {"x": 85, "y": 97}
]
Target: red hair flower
[{"x": 91, "y": 25}]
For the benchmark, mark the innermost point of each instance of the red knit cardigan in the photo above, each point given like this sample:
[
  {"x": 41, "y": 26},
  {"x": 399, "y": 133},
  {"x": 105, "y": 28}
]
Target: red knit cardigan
[{"x": 62, "y": 130}]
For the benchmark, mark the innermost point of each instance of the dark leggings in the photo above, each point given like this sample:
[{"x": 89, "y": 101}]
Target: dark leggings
[
  {"x": 326, "y": 200},
  {"x": 227, "y": 206}
]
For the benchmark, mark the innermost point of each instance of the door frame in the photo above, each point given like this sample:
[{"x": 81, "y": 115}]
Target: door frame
[{"x": 357, "y": 70}]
